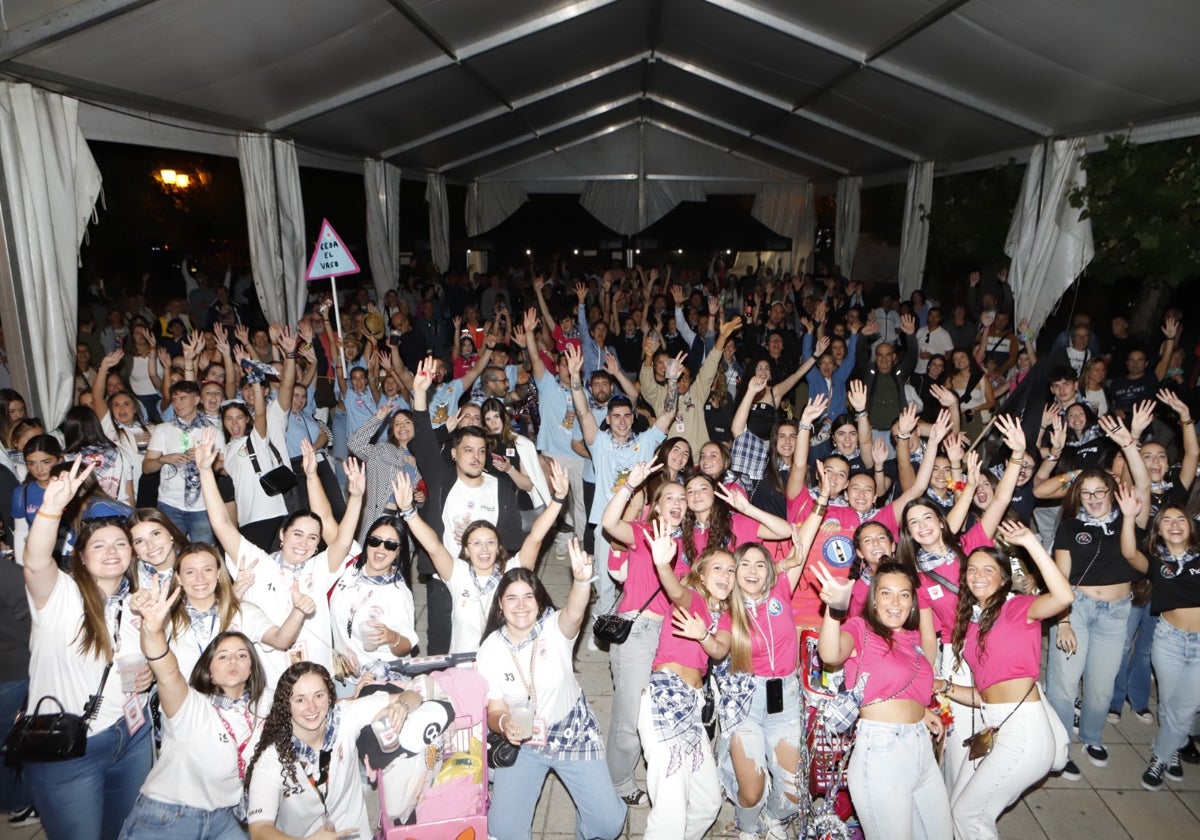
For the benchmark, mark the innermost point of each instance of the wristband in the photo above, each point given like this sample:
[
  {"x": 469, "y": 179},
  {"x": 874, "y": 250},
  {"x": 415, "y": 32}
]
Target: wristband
[
  {"x": 561, "y": 501},
  {"x": 858, "y": 415},
  {"x": 1019, "y": 461},
  {"x": 160, "y": 656},
  {"x": 806, "y": 427},
  {"x": 289, "y": 355},
  {"x": 903, "y": 437},
  {"x": 51, "y": 516},
  {"x": 408, "y": 512}
]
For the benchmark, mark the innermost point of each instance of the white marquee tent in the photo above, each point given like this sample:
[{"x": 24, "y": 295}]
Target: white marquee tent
[{"x": 641, "y": 102}]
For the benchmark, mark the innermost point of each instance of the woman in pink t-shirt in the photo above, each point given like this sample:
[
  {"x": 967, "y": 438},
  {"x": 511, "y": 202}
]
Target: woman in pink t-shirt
[
  {"x": 642, "y": 602},
  {"x": 893, "y": 774},
  {"x": 999, "y": 634},
  {"x": 719, "y": 517},
  {"x": 681, "y": 774},
  {"x": 760, "y": 706}
]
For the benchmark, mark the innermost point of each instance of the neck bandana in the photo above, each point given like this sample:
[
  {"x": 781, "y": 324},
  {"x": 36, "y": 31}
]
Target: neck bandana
[
  {"x": 1173, "y": 566},
  {"x": 191, "y": 473},
  {"x": 1095, "y": 522},
  {"x": 928, "y": 561}
]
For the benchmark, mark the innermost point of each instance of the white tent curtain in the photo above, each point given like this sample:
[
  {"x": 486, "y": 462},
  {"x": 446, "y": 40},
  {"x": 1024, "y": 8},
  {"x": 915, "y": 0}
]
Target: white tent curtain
[
  {"x": 381, "y": 183},
  {"x": 849, "y": 213},
  {"x": 490, "y": 203},
  {"x": 1048, "y": 243},
  {"x": 52, "y": 183},
  {"x": 439, "y": 220},
  {"x": 275, "y": 217},
  {"x": 619, "y": 205},
  {"x": 614, "y": 203},
  {"x": 786, "y": 209},
  {"x": 914, "y": 237},
  {"x": 802, "y": 248}
]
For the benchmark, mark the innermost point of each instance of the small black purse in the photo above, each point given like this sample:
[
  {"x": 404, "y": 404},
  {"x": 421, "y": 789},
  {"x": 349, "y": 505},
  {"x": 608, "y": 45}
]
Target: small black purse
[
  {"x": 501, "y": 752},
  {"x": 52, "y": 736},
  {"x": 614, "y": 629},
  {"x": 277, "y": 481}
]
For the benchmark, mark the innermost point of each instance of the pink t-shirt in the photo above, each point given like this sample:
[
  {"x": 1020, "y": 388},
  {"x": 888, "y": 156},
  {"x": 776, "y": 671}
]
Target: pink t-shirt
[
  {"x": 902, "y": 673},
  {"x": 799, "y": 507},
  {"x": 773, "y": 640},
  {"x": 1013, "y": 647},
  {"x": 743, "y": 527},
  {"x": 934, "y": 594},
  {"x": 688, "y": 652},
  {"x": 836, "y": 551},
  {"x": 886, "y": 516},
  {"x": 858, "y": 597},
  {"x": 642, "y": 578}
]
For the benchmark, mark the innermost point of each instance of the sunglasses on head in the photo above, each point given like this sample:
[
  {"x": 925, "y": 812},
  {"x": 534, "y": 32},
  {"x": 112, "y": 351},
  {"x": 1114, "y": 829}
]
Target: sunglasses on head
[{"x": 375, "y": 542}]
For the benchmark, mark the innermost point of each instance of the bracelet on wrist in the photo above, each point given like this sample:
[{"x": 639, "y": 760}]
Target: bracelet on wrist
[
  {"x": 903, "y": 437},
  {"x": 289, "y": 355},
  {"x": 1065, "y": 621},
  {"x": 160, "y": 656},
  {"x": 52, "y": 516},
  {"x": 560, "y": 500},
  {"x": 806, "y": 427}
]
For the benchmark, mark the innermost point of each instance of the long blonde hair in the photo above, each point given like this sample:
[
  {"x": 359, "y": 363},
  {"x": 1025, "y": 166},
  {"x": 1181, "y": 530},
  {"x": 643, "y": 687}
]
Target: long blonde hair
[
  {"x": 94, "y": 636},
  {"x": 740, "y": 652}
]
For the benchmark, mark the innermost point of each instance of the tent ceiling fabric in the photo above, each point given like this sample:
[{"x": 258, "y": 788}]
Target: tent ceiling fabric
[{"x": 477, "y": 88}]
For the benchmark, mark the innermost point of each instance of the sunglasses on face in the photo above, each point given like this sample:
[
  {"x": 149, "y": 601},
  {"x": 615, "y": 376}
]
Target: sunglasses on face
[{"x": 375, "y": 542}]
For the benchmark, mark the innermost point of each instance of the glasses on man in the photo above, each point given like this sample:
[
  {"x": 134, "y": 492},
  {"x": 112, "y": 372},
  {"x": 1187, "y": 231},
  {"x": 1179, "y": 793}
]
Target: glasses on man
[{"x": 1093, "y": 495}]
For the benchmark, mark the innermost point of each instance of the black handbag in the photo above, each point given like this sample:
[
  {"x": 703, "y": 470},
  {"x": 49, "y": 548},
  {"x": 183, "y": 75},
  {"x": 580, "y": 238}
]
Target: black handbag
[
  {"x": 52, "y": 736},
  {"x": 614, "y": 629},
  {"x": 279, "y": 480},
  {"x": 501, "y": 752}
]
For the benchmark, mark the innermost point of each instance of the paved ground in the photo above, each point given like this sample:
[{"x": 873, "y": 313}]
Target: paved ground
[{"x": 1107, "y": 803}]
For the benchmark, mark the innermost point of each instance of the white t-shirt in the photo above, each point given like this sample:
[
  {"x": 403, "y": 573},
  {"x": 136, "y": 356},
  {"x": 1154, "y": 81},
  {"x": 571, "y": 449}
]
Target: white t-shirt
[
  {"x": 468, "y": 609},
  {"x": 934, "y": 342},
  {"x": 248, "y": 619},
  {"x": 169, "y": 439},
  {"x": 507, "y": 670},
  {"x": 469, "y": 504},
  {"x": 253, "y": 503},
  {"x": 130, "y": 441},
  {"x": 356, "y": 600},
  {"x": 272, "y": 591},
  {"x": 198, "y": 763},
  {"x": 297, "y": 811},
  {"x": 56, "y": 667}
]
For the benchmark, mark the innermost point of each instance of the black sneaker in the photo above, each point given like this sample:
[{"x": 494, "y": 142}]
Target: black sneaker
[
  {"x": 1071, "y": 772},
  {"x": 1097, "y": 755},
  {"x": 1174, "y": 768},
  {"x": 636, "y": 799},
  {"x": 26, "y": 816},
  {"x": 1152, "y": 779},
  {"x": 1190, "y": 753}
]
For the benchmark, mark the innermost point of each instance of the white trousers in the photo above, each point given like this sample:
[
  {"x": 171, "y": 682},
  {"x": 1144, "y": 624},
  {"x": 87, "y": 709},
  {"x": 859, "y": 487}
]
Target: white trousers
[{"x": 684, "y": 802}]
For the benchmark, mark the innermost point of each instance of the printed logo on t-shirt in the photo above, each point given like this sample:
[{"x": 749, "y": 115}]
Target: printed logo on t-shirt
[
  {"x": 774, "y": 607},
  {"x": 838, "y": 551},
  {"x": 568, "y": 422},
  {"x": 935, "y": 592},
  {"x": 1083, "y": 538}
]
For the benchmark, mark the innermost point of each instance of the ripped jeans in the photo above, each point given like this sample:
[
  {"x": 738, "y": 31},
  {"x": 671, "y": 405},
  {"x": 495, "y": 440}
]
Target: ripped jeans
[{"x": 761, "y": 735}]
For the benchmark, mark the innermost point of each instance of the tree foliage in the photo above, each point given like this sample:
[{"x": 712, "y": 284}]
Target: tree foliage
[
  {"x": 1144, "y": 203},
  {"x": 969, "y": 218}
]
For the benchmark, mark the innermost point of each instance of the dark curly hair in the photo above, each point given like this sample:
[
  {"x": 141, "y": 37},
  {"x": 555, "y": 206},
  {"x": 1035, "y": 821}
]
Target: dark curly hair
[
  {"x": 277, "y": 730},
  {"x": 720, "y": 521},
  {"x": 966, "y": 601}
]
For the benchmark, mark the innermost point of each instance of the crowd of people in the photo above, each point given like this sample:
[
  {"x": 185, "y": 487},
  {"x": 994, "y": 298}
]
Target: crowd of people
[{"x": 213, "y": 553}]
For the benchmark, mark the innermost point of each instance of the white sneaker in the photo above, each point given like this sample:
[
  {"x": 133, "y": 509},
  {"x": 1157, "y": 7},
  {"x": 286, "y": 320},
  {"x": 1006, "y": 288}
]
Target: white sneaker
[
  {"x": 747, "y": 835},
  {"x": 591, "y": 644},
  {"x": 776, "y": 830}
]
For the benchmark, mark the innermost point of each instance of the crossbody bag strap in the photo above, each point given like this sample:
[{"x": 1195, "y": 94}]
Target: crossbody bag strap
[
  {"x": 253, "y": 457},
  {"x": 944, "y": 581},
  {"x": 654, "y": 595},
  {"x": 907, "y": 685}
]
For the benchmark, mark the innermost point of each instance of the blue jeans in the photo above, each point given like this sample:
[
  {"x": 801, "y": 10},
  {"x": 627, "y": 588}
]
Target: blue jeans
[
  {"x": 599, "y": 813},
  {"x": 1133, "y": 680},
  {"x": 154, "y": 820},
  {"x": 1177, "y": 666},
  {"x": 761, "y": 736},
  {"x": 1100, "y": 630},
  {"x": 14, "y": 795},
  {"x": 896, "y": 784},
  {"x": 193, "y": 523},
  {"x": 89, "y": 798},
  {"x": 630, "y": 664}
]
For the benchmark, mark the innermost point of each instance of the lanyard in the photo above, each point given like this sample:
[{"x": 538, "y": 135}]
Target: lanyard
[
  {"x": 241, "y": 747},
  {"x": 484, "y": 592},
  {"x": 530, "y": 688},
  {"x": 354, "y": 611},
  {"x": 768, "y": 637},
  {"x": 321, "y": 783},
  {"x": 116, "y": 634},
  {"x": 212, "y": 626}
]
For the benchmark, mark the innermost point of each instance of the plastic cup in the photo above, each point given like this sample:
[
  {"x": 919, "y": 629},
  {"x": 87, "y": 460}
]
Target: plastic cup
[
  {"x": 363, "y": 632},
  {"x": 128, "y": 668},
  {"x": 388, "y": 737},
  {"x": 522, "y": 716}
]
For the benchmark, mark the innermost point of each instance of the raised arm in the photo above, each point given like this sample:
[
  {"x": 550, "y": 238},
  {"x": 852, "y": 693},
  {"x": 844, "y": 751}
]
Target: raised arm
[
  {"x": 755, "y": 386},
  {"x": 100, "y": 383},
  {"x": 1170, "y": 332},
  {"x": 812, "y": 412},
  {"x": 41, "y": 571},
  {"x": 856, "y": 398},
  {"x": 539, "y": 283},
  {"x": 937, "y": 434},
  {"x": 356, "y": 486},
  {"x": 1119, "y": 435},
  {"x": 663, "y": 550},
  {"x": 535, "y": 358},
  {"x": 1191, "y": 448},
  {"x": 781, "y": 389},
  {"x": 227, "y": 361},
  {"x": 559, "y": 487},
  {"x": 611, "y": 520},
  {"x": 1014, "y": 438},
  {"x": 1127, "y": 499},
  {"x": 1059, "y": 595},
  {"x": 631, "y": 389},
  {"x": 443, "y": 563},
  {"x": 770, "y": 526},
  {"x": 155, "y": 609},
  {"x": 571, "y": 617},
  {"x": 286, "y": 340},
  {"x": 587, "y": 421},
  {"x": 224, "y": 528},
  {"x": 834, "y": 645}
]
